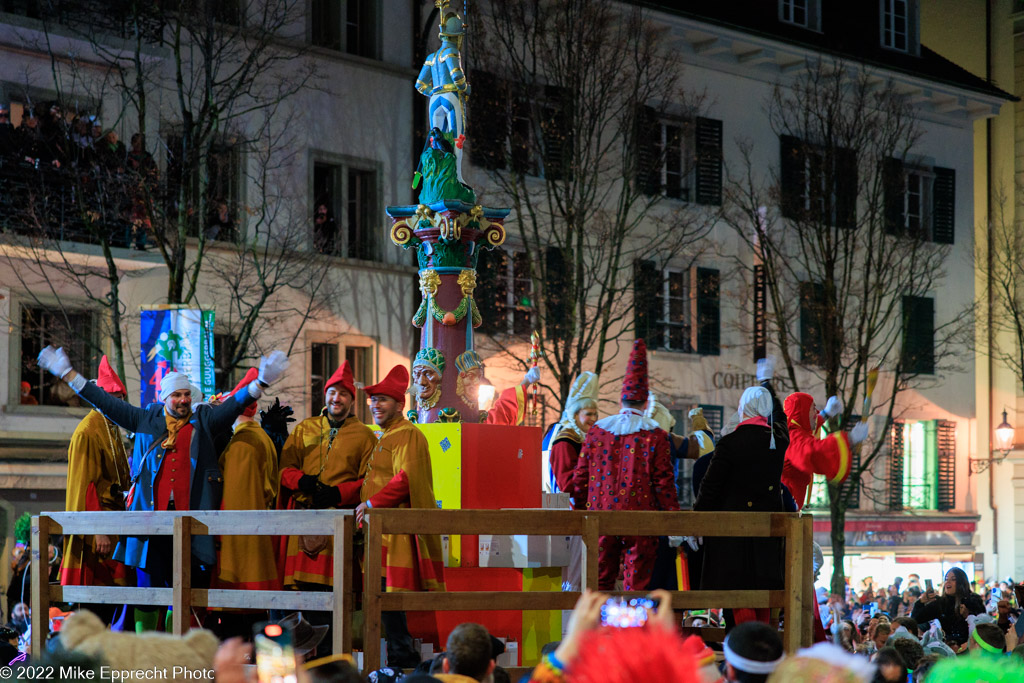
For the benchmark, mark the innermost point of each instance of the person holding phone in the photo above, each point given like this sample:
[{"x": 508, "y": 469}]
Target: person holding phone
[{"x": 951, "y": 608}]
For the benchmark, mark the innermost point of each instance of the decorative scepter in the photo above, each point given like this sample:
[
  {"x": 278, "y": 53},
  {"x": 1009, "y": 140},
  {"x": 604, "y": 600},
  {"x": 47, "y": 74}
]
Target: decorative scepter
[{"x": 534, "y": 359}]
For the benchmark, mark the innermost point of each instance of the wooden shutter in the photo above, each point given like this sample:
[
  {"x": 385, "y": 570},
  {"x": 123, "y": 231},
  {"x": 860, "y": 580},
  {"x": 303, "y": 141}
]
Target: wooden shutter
[
  {"x": 854, "y": 502},
  {"x": 946, "y": 450},
  {"x": 760, "y": 312},
  {"x": 894, "y": 190},
  {"x": 812, "y": 302},
  {"x": 488, "y": 111},
  {"x": 709, "y": 161},
  {"x": 647, "y": 303},
  {"x": 556, "y": 133},
  {"x": 556, "y": 292},
  {"x": 896, "y": 467},
  {"x": 918, "y": 335},
  {"x": 793, "y": 176},
  {"x": 943, "y": 205},
  {"x": 844, "y": 178},
  {"x": 492, "y": 291},
  {"x": 708, "y": 312},
  {"x": 648, "y": 151}
]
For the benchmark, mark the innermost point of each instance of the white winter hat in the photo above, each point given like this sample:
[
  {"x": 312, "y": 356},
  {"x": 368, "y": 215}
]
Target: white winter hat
[
  {"x": 755, "y": 402},
  {"x": 171, "y": 382}
]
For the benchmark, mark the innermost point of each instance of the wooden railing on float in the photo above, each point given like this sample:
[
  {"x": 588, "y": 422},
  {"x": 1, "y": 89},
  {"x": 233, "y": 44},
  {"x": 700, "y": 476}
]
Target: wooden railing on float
[{"x": 795, "y": 597}]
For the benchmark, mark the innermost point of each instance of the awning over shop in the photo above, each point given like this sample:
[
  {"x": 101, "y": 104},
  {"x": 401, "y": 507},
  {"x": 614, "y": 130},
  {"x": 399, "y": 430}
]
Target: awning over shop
[{"x": 902, "y": 533}]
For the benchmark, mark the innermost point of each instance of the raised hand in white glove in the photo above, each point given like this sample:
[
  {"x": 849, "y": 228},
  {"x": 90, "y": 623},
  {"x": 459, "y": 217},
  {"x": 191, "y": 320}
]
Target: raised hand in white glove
[
  {"x": 531, "y": 377},
  {"x": 766, "y": 369},
  {"x": 693, "y": 541},
  {"x": 858, "y": 433},
  {"x": 832, "y": 407},
  {"x": 272, "y": 367},
  {"x": 54, "y": 361}
]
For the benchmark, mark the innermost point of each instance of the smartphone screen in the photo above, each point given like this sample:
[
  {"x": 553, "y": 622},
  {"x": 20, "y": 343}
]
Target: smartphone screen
[
  {"x": 618, "y": 613},
  {"x": 928, "y": 585},
  {"x": 275, "y": 656}
]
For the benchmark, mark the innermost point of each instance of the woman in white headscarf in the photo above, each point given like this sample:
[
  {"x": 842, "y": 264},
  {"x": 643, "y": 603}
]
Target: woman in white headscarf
[{"x": 745, "y": 475}]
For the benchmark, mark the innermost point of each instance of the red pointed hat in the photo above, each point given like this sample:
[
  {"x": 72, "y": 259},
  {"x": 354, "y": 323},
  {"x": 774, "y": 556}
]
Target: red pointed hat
[
  {"x": 342, "y": 376},
  {"x": 394, "y": 385},
  {"x": 108, "y": 379},
  {"x": 249, "y": 378},
  {"x": 634, "y": 384}
]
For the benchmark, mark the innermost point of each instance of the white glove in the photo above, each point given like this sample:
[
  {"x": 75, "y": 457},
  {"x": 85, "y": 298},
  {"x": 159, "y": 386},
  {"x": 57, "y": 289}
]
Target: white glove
[
  {"x": 832, "y": 407},
  {"x": 675, "y": 541},
  {"x": 765, "y": 369},
  {"x": 272, "y": 367},
  {"x": 532, "y": 376},
  {"x": 693, "y": 541},
  {"x": 858, "y": 433},
  {"x": 54, "y": 361}
]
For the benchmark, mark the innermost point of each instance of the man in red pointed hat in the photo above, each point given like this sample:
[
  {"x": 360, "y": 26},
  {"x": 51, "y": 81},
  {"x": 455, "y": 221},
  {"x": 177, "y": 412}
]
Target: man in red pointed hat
[
  {"x": 322, "y": 467},
  {"x": 399, "y": 476},
  {"x": 625, "y": 464},
  {"x": 251, "y": 480},
  {"x": 99, "y": 474}
]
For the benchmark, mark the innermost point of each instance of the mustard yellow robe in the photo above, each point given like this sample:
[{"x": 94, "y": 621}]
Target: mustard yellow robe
[
  {"x": 251, "y": 480},
  {"x": 399, "y": 475},
  {"x": 306, "y": 452},
  {"x": 98, "y": 475}
]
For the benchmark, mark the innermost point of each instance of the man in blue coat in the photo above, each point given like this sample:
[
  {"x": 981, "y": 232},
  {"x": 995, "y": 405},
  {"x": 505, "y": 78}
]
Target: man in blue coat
[{"x": 175, "y": 464}]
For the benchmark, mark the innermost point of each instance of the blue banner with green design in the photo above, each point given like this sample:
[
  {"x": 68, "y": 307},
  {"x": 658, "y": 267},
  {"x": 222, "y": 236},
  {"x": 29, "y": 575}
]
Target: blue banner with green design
[{"x": 176, "y": 339}]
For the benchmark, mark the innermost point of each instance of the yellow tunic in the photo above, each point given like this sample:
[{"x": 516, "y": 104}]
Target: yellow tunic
[
  {"x": 411, "y": 562},
  {"x": 307, "y": 450},
  {"x": 98, "y": 475},
  {"x": 249, "y": 464}
]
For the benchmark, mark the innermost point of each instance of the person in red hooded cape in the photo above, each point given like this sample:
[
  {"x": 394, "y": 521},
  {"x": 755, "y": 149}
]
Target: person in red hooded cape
[
  {"x": 626, "y": 464},
  {"x": 99, "y": 473},
  {"x": 399, "y": 476}
]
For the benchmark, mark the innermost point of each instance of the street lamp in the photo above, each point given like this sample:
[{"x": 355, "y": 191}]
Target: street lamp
[{"x": 1003, "y": 442}]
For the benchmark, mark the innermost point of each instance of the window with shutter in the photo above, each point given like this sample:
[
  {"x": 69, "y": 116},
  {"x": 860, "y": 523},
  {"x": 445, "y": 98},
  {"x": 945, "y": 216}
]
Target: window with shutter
[
  {"x": 556, "y": 291},
  {"x": 844, "y": 180},
  {"x": 896, "y": 467},
  {"x": 943, "y": 205},
  {"x": 792, "y": 176},
  {"x": 488, "y": 109},
  {"x": 708, "y": 312},
  {"x": 893, "y": 189},
  {"x": 492, "y": 291},
  {"x": 648, "y": 152},
  {"x": 918, "y": 335},
  {"x": 946, "y": 435},
  {"x": 556, "y": 133},
  {"x": 812, "y": 315},
  {"x": 818, "y": 184},
  {"x": 709, "y": 161}
]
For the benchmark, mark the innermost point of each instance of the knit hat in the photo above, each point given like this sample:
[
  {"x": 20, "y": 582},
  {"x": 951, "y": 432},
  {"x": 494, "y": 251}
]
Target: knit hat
[
  {"x": 173, "y": 381},
  {"x": 342, "y": 376},
  {"x": 249, "y": 378},
  {"x": 394, "y": 385},
  {"x": 634, "y": 384},
  {"x": 108, "y": 379},
  {"x": 430, "y": 358}
]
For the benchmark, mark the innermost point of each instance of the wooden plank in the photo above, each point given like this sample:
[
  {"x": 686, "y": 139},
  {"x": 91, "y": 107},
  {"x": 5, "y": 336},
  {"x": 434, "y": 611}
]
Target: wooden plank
[
  {"x": 181, "y": 618},
  {"x": 372, "y": 590},
  {"x": 342, "y": 604},
  {"x": 215, "y": 522},
  {"x": 794, "y": 573},
  {"x": 589, "y": 565},
  {"x": 475, "y": 522},
  {"x": 38, "y": 569},
  {"x": 548, "y": 600},
  {"x": 807, "y": 633},
  {"x": 112, "y": 595}
]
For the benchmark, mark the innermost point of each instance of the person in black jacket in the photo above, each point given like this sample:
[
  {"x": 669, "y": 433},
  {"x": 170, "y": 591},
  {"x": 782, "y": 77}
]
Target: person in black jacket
[
  {"x": 952, "y": 608},
  {"x": 745, "y": 475}
]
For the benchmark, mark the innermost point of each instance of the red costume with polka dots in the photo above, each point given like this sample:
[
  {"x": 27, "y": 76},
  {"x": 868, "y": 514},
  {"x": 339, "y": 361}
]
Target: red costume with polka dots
[{"x": 625, "y": 464}]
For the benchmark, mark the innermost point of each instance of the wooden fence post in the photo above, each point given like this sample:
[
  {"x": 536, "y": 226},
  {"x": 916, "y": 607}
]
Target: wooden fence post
[
  {"x": 182, "y": 582},
  {"x": 591, "y": 539},
  {"x": 341, "y": 618},
  {"x": 39, "y": 568},
  {"x": 372, "y": 590},
  {"x": 807, "y": 634},
  {"x": 796, "y": 558}
]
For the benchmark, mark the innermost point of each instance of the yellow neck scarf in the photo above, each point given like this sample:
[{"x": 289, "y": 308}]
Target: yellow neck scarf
[{"x": 173, "y": 425}]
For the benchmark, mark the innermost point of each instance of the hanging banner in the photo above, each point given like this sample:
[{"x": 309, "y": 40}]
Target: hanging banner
[{"x": 181, "y": 340}]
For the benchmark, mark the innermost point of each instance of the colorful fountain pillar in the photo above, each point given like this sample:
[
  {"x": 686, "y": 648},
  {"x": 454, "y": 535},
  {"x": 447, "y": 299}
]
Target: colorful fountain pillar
[{"x": 447, "y": 228}]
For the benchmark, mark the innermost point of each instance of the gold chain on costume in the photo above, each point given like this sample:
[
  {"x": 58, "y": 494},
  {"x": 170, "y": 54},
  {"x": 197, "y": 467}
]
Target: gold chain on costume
[{"x": 330, "y": 442}]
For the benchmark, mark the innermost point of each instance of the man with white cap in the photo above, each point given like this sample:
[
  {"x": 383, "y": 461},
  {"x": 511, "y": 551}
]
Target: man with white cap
[
  {"x": 177, "y": 468},
  {"x": 745, "y": 474}
]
